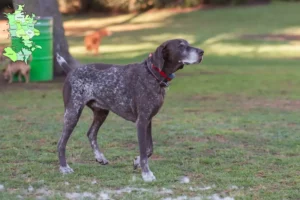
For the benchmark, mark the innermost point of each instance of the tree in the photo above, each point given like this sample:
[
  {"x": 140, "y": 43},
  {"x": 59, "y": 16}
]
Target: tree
[{"x": 46, "y": 8}]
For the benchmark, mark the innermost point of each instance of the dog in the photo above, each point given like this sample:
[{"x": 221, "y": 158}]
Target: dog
[
  {"x": 134, "y": 91},
  {"x": 2, "y": 57},
  {"x": 92, "y": 41},
  {"x": 19, "y": 67}
]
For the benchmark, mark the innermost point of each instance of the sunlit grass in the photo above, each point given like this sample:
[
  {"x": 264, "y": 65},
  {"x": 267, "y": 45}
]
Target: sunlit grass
[
  {"x": 294, "y": 30},
  {"x": 254, "y": 51}
]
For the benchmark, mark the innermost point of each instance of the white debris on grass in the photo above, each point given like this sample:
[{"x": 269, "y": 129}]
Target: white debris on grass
[
  {"x": 183, "y": 198},
  {"x": 67, "y": 183},
  {"x": 2, "y": 187},
  {"x": 94, "y": 182},
  {"x": 30, "y": 188},
  {"x": 73, "y": 195},
  {"x": 212, "y": 197},
  {"x": 76, "y": 195},
  {"x": 77, "y": 187},
  {"x": 20, "y": 197},
  {"x": 217, "y": 197},
  {"x": 205, "y": 188},
  {"x": 165, "y": 191},
  {"x": 88, "y": 195},
  {"x": 202, "y": 188},
  {"x": 129, "y": 190},
  {"x": 184, "y": 179},
  {"x": 41, "y": 198},
  {"x": 43, "y": 191},
  {"x": 104, "y": 196},
  {"x": 176, "y": 198},
  {"x": 233, "y": 187},
  {"x": 133, "y": 179}
]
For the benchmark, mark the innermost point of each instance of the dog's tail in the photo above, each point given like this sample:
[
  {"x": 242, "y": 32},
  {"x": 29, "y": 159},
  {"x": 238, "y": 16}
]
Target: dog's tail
[{"x": 63, "y": 63}]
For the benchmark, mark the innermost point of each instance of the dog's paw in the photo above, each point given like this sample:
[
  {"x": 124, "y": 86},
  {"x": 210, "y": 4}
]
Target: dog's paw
[
  {"x": 148, "y": 176},
  {"x": 66, "y": 170},
  {"x": 100, "y": 158},
  {"x": 136, "y": 163},
  {"x": 102, "y": 161}
]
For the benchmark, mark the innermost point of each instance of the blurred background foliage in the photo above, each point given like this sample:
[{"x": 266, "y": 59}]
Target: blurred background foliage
[{"x": 125, "y": 6}]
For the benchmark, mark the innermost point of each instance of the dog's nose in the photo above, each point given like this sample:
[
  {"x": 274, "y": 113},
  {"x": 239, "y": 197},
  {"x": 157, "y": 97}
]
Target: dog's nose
[{"x": 200, "y": 52}]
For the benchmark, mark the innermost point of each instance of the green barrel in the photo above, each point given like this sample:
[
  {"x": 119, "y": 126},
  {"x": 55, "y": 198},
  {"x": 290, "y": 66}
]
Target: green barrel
[
  {"x": 42, "y": 59},
  {"x": 41, "y": 65}
]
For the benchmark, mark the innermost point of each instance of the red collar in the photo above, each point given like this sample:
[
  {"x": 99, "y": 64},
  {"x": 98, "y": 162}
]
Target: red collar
[
  {"x": 163, "y": 74},
  {"x": 163, "y": 79}
]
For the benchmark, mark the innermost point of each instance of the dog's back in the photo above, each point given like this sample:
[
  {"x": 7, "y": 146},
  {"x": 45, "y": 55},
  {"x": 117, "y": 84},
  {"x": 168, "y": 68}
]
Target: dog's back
[{"x": 18, "y": 66}]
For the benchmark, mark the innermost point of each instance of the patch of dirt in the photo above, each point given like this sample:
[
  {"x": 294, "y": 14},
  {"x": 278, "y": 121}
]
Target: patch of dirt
[
  {"x": 209, "y": 152},
  {"x": 272, "y": 37},
  {"x": 192, "y": 139},
  {"x": 196, "y": 111},
  {"x": 157, "y": 157},
  {"x": 261, "y": 174},
  {"x": 47, "y": 85},
  {"x": 278, "y": 104},
  {"x": 218, "y": 138},
  {"x": 204, "y": 98},
  {"x": 243, "y": 103},
  {"x": 130, "y": 146}
]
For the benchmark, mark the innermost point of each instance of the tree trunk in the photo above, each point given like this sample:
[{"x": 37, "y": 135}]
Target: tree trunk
[{"x": 46, "y": 8}]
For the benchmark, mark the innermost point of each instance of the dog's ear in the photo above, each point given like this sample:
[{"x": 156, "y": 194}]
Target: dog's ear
[{"x": 158, "y": 57}]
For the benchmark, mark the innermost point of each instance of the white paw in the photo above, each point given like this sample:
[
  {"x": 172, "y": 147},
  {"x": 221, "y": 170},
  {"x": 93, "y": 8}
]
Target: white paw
[
  {"x": 66, "y": 170},
  {"x": 100, "y": 158},
  {"x": 102, "y": 161},
  {"x": 136, "y": 163},
  {"x": 148, "y": 176}
]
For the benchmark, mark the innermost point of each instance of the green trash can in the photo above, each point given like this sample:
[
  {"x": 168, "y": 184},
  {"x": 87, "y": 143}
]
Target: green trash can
[{"x": 42, "y": 59}]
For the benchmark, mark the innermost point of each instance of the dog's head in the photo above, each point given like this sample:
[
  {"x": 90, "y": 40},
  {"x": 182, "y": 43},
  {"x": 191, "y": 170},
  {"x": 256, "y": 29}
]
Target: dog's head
[
  {"x": 172, "y": 55},
  {"x": 5, "y": 74}
]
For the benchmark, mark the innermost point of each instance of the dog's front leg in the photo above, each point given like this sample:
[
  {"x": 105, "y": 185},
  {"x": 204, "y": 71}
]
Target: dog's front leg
[
  {"x": 136, "y": 161},
  {"x": 27, "y": 77},
  {"x": 142, "y": 125},
  {"x": 10, "y": 78}
]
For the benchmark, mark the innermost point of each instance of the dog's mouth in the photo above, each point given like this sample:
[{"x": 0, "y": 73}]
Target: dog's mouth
[{"x": 191, "y": 63}]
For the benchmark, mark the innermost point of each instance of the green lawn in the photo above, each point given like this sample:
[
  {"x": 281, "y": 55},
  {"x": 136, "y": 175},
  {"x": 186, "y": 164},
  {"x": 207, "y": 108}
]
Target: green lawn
[{"x": 231, "y": 125}]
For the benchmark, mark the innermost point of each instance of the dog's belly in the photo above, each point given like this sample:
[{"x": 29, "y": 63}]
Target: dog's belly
[
  {"x": 122, "y": 108},
  {"x": 116, "y": 98}
]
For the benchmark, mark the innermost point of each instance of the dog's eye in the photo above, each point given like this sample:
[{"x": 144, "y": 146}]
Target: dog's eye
[{"x": 181, "y": 45}]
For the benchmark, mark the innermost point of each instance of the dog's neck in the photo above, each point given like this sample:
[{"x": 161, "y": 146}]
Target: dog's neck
[
  {"x": 170, "y": 68},
  {"x": 161, "y": 76}
]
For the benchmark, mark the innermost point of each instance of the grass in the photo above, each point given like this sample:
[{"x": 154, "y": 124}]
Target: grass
[{"x": 231, "y": 123}]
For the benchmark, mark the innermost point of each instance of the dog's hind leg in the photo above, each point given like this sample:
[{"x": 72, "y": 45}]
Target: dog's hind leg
[
  {"x": 72, "y": 114},
  {"x": 20, "y": 77},
  {"x": 99, "y": 118}
]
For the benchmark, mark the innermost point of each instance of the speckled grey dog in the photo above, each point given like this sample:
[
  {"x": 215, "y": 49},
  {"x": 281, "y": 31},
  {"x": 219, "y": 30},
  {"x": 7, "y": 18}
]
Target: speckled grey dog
[{"x": 134, "y": 92}]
